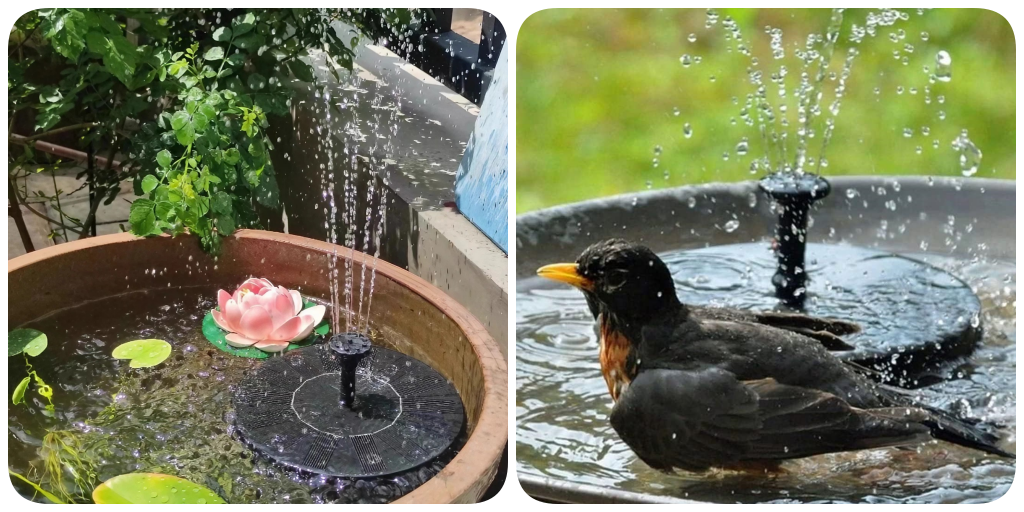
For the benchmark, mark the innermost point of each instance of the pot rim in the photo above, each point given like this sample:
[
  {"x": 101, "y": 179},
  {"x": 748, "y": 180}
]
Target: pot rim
[{"x": 844, "y": 181}]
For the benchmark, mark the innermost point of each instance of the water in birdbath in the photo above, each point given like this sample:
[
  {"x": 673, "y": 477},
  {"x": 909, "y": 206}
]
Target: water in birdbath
[{"x": 562, "y": 402}]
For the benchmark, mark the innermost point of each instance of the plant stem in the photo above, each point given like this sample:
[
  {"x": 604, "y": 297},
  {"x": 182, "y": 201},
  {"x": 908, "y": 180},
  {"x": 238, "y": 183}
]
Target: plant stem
[
  {"x": 38, "y": 489},
  {"x": 225, "y": 59},
  {"x": 27, "y": 141},
  {"x": 24, "y": 203},
  {"x": 56, "y": 197}
]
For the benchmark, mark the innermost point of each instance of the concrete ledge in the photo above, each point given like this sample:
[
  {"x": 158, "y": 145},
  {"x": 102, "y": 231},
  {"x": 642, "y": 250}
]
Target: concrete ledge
[
  {"x": 466, "y": 265},
  {"x": 420, "y": 158}
]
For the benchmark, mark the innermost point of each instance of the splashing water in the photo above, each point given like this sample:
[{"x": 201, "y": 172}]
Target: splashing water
[
  {"x": 354, "y": 180},
  {"x": 781, "y": 112}
]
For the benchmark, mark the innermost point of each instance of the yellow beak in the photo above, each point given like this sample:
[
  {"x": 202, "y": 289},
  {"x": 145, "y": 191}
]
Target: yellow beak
[{"x": 566, "y": 273}]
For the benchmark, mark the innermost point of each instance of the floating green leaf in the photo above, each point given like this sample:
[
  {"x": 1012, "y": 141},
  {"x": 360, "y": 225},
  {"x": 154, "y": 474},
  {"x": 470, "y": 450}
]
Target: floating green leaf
[
  {"x": 216, "y": 335},
  {"x": 29, "y": 341},
  {"x": 143, "y": 353},
  {"x": 152, "y": 488},
  {"x": 19, "y": 392}
]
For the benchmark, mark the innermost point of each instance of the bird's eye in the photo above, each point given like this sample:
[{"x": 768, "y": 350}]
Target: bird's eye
[{"x": 615, "y": 278}]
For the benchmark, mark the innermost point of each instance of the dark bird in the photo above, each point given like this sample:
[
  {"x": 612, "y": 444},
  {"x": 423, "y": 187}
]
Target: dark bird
[{"x": 698, "y": 388}]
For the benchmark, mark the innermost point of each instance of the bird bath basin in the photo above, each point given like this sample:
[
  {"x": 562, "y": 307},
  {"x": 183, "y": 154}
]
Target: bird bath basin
[
  {"x": 716, "y": 240},
  {"x": 178, "y": 418}
]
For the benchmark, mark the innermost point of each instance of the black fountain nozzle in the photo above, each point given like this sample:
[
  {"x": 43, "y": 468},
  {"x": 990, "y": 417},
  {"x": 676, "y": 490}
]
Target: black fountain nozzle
[
  {"x": 349, "y": 349},
  {"x": 794, "y": 193}
]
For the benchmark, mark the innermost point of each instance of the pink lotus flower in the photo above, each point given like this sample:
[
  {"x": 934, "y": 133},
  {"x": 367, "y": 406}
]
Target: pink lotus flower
[{"x": 264, "y": 316}]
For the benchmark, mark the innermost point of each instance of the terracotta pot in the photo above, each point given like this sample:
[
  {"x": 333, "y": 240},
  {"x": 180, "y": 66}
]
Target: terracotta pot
[{"x": 412, "y": 316}]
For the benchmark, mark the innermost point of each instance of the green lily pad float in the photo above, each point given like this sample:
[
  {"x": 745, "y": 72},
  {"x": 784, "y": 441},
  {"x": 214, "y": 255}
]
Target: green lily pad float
[
  {"x": 143, "y": 353},
  {"x": 29, "y": 341},
  {"x": 152, "y": 488},
  {"x": 217, "y": 336}
]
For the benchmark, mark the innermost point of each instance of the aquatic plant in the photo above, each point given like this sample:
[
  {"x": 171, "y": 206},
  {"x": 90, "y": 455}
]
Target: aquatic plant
[
  {"x": 153, "y": 488},
  {"x": 62, "y": 451},
  {"x": 47, "y": 494},
  {"x": 265, "y": 317},
  {"x": 143, "y": 353},
  {"x": 29, "y": 342}
]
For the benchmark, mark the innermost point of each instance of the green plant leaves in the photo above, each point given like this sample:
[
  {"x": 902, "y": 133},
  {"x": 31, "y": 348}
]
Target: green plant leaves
[
  {"x": 179, "y": 120},
  {"x": 29, "y": 341},
  {"x": 199, "y": 121},
  {"x": 221, "y": 203},
  {"x": 225, "y": 224},
  {"x": 217, "y": 92},
  {"x": 222, "y": 34},
  {"x": 186, "y": 134},
  {"x": 302, "y": 71},
  {"x": 19, "y": 392},
  {"x": 118, "y": 54},
  {"x": 143, "y": 218},
  {"x": 152, "y": 488},
  {"x": 257, "y": 82},
  {"x": 244, "y": 24},
  {"x": 149, "y": 183},
  {"x": 65, "y": 29},
  {"x": 143, "y": 353},
  {"x": 216, "y": 335},
  {"x": 163, "y": 158},
  {"x": 164, "y": 210},
  {"x": 178, "y": 68},
  {"x": 214, "y": 53}
]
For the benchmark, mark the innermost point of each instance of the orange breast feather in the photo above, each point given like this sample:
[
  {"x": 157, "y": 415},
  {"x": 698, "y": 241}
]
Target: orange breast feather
[{"x": 614, "y": 348}]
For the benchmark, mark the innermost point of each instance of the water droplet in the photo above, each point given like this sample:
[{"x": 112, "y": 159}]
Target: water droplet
[
  {"x": 731, "y": 226},
  {"x": 970, "y": 155},
  {"x": 943, "y": 66},
  {"x": 685, "y": 60},
  {"x": 742, "y": 147},
  {"x": 692, "y": 38},
  {"x": 712, "y": 18},
  {"x": 908, "y": 132},
  {"x": 691, "y": 202},
  {"x": 687, "y": 131}
]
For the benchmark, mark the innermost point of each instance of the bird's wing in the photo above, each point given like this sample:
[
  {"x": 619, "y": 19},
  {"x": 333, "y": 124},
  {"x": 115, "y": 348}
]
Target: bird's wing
[
  {"x": 708, "y": 418},
  {"x": 828, "y": 331}
]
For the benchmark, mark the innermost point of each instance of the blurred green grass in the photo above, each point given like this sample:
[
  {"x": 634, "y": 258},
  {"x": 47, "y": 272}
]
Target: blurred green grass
[{"x": 596, "y": 91}]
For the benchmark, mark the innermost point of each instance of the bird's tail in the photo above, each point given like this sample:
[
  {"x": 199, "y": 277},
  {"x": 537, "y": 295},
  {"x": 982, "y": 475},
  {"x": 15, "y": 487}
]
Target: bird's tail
[{"x": 969, "y": 433}]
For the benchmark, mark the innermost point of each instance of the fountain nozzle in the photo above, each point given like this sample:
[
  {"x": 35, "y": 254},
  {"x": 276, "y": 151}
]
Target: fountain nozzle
[
  {"x": 794, "y": 193},
  {"x": 349, "y": 349}
]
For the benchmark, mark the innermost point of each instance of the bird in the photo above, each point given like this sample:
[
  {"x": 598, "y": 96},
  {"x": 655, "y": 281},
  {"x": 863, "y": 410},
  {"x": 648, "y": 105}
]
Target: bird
[{"x": 700, "y": 388}]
